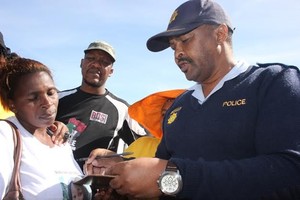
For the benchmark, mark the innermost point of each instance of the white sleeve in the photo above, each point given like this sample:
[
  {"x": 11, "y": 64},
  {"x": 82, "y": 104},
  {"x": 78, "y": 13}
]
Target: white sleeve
[
  {"x": 6, "y": 156},
  {"x": 135, "y": 126}
]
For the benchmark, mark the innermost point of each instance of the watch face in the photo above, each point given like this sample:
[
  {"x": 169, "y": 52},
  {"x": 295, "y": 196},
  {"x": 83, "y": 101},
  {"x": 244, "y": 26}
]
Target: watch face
[{"x": 170, "y": 183}]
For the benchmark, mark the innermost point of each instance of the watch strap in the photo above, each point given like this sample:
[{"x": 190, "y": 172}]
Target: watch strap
[{"x": 171, "y": 167}]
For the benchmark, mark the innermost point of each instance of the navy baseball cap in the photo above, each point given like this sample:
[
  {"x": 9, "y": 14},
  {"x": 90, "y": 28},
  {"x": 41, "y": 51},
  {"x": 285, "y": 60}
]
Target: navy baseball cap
[{"x": 186, "y": 18}]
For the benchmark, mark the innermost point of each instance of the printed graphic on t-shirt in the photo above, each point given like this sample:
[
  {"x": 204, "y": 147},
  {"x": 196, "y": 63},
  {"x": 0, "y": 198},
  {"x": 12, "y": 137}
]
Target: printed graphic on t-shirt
[
  {"x": 75, "y": 127},
  {"x": 98, "y": 117}
]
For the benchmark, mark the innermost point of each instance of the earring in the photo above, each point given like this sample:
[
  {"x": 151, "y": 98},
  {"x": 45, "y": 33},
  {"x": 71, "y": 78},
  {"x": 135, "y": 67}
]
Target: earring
[{"x": 12, "y": 108}]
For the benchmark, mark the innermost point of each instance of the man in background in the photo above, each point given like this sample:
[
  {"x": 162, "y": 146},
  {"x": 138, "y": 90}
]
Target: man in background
[{"x": 96, "y": 117}]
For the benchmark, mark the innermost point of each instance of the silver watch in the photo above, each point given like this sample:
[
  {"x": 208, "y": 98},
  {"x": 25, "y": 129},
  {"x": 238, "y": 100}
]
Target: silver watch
[{"x": 170, "y": 181}]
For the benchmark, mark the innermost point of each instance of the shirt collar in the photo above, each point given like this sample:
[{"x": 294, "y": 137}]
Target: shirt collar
[{"x": 239, "y": 68}]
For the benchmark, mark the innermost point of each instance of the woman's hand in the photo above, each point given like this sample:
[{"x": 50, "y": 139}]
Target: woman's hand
[
  {"x": 60, "y": 132},
  {"x": 96, "y": 165}
]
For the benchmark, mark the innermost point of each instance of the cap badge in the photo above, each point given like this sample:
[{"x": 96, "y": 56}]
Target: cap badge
[{"x": 173, "y": 17}]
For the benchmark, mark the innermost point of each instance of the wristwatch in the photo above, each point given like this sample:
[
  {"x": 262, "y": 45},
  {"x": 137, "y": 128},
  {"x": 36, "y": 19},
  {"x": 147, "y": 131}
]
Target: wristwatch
[{"x": 170, "y": 181}]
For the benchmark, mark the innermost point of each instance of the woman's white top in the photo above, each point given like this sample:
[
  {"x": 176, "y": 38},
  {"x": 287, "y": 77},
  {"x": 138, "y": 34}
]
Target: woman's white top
[{"x": 45, "y": 172}]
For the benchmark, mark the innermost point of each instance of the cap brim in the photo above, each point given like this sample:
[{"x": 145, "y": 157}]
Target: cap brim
[
  {"x": 160, "y": 41},
  {"x": 97, "y": 48}
]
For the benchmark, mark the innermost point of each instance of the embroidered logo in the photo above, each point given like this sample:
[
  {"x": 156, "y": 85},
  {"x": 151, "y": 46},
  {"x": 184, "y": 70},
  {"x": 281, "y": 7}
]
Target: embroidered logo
[
  {"x": 232, "y": 103},
  {"x": 98, "y": 117},
  {"x": 173, "y": 17},
  {"x": 173, "y": 115}
]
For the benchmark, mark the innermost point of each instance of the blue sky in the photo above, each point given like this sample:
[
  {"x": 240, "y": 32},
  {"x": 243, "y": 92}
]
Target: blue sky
[{"x": 57, "y": 32}]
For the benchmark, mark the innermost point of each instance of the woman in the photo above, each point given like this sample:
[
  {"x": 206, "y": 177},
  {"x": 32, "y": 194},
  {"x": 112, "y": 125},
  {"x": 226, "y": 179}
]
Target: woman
[{"x": 27, "y": 89}]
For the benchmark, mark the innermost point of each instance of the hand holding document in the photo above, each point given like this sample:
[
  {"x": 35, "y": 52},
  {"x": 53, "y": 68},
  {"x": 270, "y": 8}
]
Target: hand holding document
[
  {"x": 100, "y": 186},
  {"x": 107, "y": 156},
  {"x": 99, "y": 178},
  {"x": 98, "y": 181}
]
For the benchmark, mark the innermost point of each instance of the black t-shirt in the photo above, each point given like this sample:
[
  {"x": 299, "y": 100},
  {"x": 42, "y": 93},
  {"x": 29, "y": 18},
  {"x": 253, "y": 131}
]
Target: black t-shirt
[{"x": 96, "y": 121}]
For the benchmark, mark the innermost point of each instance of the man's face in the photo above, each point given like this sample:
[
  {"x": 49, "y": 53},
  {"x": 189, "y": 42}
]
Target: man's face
[
  {"x": 195, "y": 53},
  {"x": 96, "y": 67}
]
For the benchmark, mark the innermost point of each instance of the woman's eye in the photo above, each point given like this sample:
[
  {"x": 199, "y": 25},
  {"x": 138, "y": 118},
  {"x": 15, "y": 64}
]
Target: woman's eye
[
  {"x": 33, "y": 98},
  {"x": 52, "y": 92}
]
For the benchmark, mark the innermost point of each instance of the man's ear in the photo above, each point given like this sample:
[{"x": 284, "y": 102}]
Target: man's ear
[
  {"x": 81, "y": 63},
  {"x": 222, "y": 33},
  {"x": 111, "y": 71}
]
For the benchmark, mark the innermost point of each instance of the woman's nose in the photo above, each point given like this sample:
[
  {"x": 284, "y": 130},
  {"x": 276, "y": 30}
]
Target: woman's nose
[{"x": 46, "y": 101}]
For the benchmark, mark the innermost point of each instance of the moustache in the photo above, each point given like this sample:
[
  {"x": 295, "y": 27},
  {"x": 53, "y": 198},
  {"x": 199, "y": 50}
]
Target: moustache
[{"x": 184, "y": 60}]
